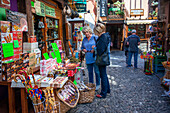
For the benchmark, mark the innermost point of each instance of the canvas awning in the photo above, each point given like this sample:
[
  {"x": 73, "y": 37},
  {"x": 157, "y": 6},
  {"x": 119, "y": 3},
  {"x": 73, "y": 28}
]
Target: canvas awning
[{"x": 133, "y": 22}]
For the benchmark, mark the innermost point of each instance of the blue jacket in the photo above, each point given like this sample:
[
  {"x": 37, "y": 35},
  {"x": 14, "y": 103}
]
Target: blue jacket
[{"x": 88, "y": 46}]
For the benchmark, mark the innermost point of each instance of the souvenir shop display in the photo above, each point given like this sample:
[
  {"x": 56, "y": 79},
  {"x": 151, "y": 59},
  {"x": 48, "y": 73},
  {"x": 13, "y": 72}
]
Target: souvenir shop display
[
  {"x": 148, "y": 61},
  {"x": 34, "y": 92}
]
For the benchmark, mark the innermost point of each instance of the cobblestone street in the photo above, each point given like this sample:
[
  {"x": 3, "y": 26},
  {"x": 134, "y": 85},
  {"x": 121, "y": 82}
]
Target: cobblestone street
[{"x": 131, "y": 91}]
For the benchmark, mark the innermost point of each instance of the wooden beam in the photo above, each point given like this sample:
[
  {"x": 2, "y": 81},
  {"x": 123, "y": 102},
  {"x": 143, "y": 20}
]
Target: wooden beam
[
  {"x": 11, "y": 99},
  {"x": 24, "y": 103},
  {"x": 29, "y": 17}
]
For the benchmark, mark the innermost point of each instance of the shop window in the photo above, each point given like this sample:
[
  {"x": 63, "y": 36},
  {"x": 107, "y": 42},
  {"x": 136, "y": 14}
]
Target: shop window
[
  {"x": 140, "y": 30},
  {"x": 52, "y": 31},
  {"x": 52, "y": 26}
]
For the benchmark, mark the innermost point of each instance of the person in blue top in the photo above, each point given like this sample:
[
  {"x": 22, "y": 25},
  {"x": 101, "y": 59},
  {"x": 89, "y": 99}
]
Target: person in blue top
[
  {"x": 87, "y": 43},
  {"x": 103, "y": 42},
  {"x": 133, "y": 41}
]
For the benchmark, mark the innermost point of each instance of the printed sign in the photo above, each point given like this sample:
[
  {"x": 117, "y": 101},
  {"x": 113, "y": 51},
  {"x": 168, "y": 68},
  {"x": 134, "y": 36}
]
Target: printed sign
[
  {"x": 103, "y": 8},
  {"x": 8, "y": 49},
  {"x": 80, "y": 7},
  {"x": 49, "y": 11},
  {"x": 137, "y": 12},
  {"x": 40, "y": 8}
]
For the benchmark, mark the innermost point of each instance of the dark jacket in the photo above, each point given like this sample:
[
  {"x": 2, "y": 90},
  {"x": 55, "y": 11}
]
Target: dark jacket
[{"x": 102, "y": 43}]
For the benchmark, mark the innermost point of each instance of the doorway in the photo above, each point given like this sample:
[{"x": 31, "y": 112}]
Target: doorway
[{"x": 116, "y": 32}]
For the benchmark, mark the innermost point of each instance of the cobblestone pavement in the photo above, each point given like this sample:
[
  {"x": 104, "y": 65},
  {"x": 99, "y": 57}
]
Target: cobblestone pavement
[{"x": 131, "y": 91}]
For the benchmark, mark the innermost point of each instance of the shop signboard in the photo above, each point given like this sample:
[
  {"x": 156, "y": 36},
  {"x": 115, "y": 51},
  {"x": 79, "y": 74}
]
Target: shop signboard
[
  {"x": 39, "y": 8},
  {"x": 19, "y": 20},
  {"x": 136, "y": 12},
  {"x": 103, "y": 8},
  {"x": 50, "y": 11},
  {"x": 80, "y": 7}
]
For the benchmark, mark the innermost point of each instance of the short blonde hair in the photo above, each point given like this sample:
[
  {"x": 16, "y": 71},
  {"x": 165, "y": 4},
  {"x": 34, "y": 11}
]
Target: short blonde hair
[
  {"x": 99, "y": 28},
  {"x": 87, "y": 29}
]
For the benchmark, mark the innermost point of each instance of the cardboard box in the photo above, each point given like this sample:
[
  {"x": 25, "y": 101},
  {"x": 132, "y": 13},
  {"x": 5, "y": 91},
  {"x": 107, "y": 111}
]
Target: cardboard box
[
  {"x": 10, "y": 68},
  {"x": 38, "y": 56},
  {"x": 5, "y": 26},
  {"x": 24, "y": 57},
  {"x": 29, "y": 47},
  {"x": 32, "y": 39}
]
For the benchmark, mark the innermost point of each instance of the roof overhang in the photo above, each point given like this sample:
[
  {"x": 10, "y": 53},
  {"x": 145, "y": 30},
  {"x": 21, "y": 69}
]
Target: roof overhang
[{"x": 133, "y": 22}]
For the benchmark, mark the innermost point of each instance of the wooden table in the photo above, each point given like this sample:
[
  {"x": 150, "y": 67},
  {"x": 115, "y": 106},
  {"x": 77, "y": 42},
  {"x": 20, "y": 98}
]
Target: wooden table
[{"x": 11, "y": 98}]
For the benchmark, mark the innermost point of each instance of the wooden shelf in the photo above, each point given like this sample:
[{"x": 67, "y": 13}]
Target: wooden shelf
[
  {"x": 52, "y": 28},
  {"x": 53, "y": 39}
]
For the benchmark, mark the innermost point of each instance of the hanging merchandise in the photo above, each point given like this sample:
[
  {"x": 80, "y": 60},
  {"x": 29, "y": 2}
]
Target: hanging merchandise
[
  {"x": 19, "y": 20},
  {"x": 40, "y": 24},
  {"x": 148, "y": 65},
  {"x": 5, "y": 4}
]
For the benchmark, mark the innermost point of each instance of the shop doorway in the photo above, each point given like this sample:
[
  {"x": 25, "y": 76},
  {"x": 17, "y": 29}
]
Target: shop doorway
[{"x": 116, "y": 32}]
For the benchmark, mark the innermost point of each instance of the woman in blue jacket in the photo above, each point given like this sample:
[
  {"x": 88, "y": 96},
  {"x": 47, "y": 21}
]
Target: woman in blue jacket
[{"x": 87, "y": 43}]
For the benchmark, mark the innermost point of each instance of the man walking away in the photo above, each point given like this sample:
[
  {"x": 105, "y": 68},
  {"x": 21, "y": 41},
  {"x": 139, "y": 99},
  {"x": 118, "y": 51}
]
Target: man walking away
[{"x": 133, "y": 41}]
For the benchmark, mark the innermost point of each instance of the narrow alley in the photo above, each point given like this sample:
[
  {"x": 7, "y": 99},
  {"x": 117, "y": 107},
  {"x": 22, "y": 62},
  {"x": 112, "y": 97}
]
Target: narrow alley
[{"x": 131, "y": 91}]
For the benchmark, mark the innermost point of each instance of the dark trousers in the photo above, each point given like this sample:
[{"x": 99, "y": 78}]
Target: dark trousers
[{"x": 105, "y": 87}]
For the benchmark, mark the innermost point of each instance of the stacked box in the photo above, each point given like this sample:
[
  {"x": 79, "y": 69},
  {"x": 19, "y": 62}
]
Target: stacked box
[
  {"x": 157, "y": 64},
  {"x": 59, "y": 44},
  {"x": 29, "y": 47},
  {"x": 11, "y": 68},
  {"x": 17, "y": 35},
  {"x": 32, "y": 60},
  {"x": 38, "y": 57},
  {"x": 47, "y": 65}
]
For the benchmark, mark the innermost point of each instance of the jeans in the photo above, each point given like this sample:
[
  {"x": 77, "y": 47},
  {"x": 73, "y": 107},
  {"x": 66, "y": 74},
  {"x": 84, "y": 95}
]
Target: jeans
[
  {"x": 135, "y": 58},
  {"x": 105, "y": 87},
  {"x": 90, "y": 72}
]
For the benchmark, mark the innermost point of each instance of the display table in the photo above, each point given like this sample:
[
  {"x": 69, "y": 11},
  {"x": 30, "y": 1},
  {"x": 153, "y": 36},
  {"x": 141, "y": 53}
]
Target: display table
[
  {"x": 11, "y": 98},
  {"x": 11, "y": 95}
]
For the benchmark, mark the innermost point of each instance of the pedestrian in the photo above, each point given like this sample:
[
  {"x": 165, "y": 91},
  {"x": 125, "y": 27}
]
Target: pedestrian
[
  {"x": 126, "y": 48},
  {"x": 133, "y": 41},
  {"x": 102, "y": 46},
  {"x": 87, "y": 43}
]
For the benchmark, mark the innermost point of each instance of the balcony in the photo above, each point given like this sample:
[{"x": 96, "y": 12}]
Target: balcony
[{"x": 115, "y": 11}]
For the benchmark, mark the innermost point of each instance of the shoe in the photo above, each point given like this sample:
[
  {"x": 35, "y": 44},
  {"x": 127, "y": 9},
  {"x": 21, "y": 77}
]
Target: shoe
[
  {"x": 97, "y": 87},
  {"x": 135, "y": 68},
  {"x": 108, "y": 92},
  {"x": 100, "y": 96}
]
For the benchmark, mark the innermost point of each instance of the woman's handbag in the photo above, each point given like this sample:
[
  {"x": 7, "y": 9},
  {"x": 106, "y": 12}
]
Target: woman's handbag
[{"x": 104, "y": 59}]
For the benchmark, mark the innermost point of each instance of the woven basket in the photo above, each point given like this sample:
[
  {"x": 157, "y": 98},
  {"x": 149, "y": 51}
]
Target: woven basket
[
  {"x": 87, "y": 96},
  {"x": 63, "y": 107}
]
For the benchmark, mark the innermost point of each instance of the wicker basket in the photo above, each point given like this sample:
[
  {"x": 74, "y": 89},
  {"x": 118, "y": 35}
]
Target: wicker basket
[
  {"x": 88, "y": 96},
  {"x": 64, "y": 107}
]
